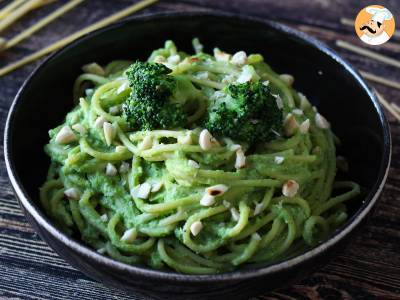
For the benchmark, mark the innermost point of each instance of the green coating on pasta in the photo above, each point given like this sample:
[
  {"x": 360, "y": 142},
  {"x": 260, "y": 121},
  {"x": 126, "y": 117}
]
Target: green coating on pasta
[{"x": 177, "y": 197}]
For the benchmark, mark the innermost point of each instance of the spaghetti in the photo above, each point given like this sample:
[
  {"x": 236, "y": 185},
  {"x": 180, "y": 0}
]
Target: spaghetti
[{"x": 161, "y": 198}]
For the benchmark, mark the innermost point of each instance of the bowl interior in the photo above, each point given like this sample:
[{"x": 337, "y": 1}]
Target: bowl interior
[{"x": 47, "y": 95}]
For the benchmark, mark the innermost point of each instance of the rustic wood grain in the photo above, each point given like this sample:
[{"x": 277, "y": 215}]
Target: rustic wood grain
[{"x": 368, "y": 269}]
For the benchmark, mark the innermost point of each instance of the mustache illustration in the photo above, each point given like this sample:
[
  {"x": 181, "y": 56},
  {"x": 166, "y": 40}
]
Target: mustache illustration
[{"x": 368, "y": 28}]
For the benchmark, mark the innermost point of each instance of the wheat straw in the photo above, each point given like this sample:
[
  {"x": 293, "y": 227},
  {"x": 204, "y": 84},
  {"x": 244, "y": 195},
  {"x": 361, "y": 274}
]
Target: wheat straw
[
  {"x": 65, "y": 41},
  {"x": 368, "y": 53},
  {"x": 39, "y": 25}
]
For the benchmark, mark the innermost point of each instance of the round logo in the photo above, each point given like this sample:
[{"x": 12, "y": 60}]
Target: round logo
[{"x": 374, "y": 25}]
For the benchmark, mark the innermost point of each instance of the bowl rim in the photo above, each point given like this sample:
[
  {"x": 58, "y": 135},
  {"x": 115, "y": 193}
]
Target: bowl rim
[{"x": 240, "y": 274}]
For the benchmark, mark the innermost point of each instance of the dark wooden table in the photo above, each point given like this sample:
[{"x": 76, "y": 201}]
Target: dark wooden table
[{"x": 368, "y": 269}]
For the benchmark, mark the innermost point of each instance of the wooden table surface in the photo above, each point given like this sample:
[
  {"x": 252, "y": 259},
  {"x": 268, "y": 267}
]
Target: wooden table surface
[{"x": 368, "y": 269}]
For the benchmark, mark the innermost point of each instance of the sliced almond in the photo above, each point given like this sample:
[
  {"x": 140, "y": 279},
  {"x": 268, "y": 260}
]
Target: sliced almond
[
  {"x": 239, "y": 58},
  {"x": 279, "y": 159},
  {"x": 144, "y": 191},
  {"x": 193, "y": 164},
  {"x": 72, "y": 193},
  {"x": 290, "y": 125},
  {"x": 321, "y": 121},
  {"x": 290, "y": 188},
  {"x": 216, "y": 190},
  {"x": 240, "y": 159},
  {"x": 111, "y": 170},
  {"x": 129, "y": 235},
  {"x": 297, "y": 111},
  {"x": 206, "y": 140},
  {"x": 99, "y": 122},
  {"x": 244, "y": 77},
  {"x": 196, "y": 227},
  {"x": 221, "y": 56},
  {"x": 304, "y": 126},
  {"x": 109, "y": 132},
  {"x": 248, "y": 74},
  {"x": 65, "y": 136},
  {"x": 207, "y": 200}
]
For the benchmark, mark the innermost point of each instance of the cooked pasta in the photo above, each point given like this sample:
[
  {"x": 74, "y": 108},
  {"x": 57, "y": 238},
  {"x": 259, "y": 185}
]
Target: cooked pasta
[{"x": 183, "y": 197}]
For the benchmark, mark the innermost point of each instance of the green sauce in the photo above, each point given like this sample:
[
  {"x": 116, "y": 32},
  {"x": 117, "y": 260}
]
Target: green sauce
[{"x": 161, "y": 198}]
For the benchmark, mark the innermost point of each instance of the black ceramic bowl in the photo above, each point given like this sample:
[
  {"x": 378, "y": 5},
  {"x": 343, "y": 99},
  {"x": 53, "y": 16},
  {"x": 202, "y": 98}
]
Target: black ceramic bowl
[{"x": 329, "y": 81}]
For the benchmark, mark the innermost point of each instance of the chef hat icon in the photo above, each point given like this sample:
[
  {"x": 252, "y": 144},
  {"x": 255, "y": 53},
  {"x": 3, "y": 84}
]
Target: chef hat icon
[{"x": 379, "y": 14}]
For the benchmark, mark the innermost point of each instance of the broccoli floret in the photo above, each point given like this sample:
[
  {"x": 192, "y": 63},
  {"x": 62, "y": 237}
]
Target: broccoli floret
[
  {"x": 157, "y": 99},
  {"x": 246, "y": 112},
  {"x": 150, "y": 81}
]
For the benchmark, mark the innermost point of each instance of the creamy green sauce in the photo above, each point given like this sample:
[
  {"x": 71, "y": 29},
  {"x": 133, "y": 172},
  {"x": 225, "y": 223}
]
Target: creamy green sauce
[{"x": 140, "y": 198}]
